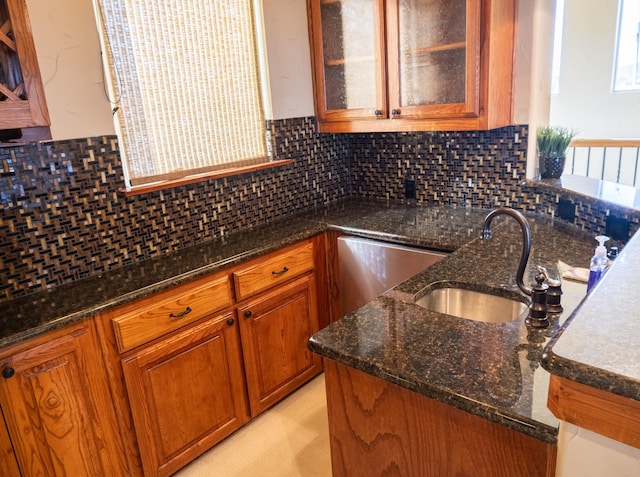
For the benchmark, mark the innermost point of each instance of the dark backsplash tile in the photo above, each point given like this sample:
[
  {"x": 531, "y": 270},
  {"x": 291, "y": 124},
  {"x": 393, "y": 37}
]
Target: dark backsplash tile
[
  {"x": 63, "y": 218},
  {"x": 468, "y": 168}
]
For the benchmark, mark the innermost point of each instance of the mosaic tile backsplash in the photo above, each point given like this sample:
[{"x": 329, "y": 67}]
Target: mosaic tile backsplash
[
  {"x": 63, "y": 218},
  {"x": 467, "y": 168}
]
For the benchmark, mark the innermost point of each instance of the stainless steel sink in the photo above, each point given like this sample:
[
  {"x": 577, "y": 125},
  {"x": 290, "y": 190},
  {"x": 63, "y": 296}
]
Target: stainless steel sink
[{"x": 472, "y": 305}]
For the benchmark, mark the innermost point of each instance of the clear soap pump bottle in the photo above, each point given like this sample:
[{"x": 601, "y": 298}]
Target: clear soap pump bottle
[{"x": 598, "y": 262}]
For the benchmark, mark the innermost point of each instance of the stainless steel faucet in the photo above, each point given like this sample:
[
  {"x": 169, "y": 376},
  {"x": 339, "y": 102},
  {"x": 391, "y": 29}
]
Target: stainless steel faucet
[{"x": 526, "y": 241}]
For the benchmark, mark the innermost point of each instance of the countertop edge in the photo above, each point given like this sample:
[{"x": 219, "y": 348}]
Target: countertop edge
[
  {"x": 535, "y": 429},
  {"x": 143, "y": 292}
]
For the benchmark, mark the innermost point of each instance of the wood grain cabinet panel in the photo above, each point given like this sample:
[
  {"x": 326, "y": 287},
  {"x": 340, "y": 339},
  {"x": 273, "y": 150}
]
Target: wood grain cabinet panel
[
  {"x": 57, "y": 407},
  {"x": 8, "y": 462},
  {"x": 185, "y": 384},
  {"x": 273, "y": 270},
  {"x": 160, "y": 314},
  {"x": 379, "y": 428},
  {"x": 186, "y": 393},
  {"x": 275, "y": 328}
]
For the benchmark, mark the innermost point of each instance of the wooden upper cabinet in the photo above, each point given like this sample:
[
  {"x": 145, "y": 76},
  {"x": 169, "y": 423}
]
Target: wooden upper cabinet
[
  {"x": 350, "y": 66},
  {"x": 22, "y": 98},
  {"x": 411, "y": 65}
]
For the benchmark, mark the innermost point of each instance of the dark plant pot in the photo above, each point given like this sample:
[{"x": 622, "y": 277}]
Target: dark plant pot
[{"x": 551, "y": 167}]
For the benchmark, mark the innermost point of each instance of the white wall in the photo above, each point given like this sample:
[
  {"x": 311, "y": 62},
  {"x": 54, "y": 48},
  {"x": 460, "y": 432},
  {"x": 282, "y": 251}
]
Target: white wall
[
  {"x": 67, "y": 46},
  {"x": 69, "y": 55},
  {"x": 68, "y": 51},
  {"x": 287, "y": 41},
  {"x": 585, "y": 101},
  {"x": 533, "y": 69},
  {"x": 582, "y": 453}
]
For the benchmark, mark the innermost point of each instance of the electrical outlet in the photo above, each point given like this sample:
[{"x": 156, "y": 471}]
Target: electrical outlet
[
  {"x": 409, "y": 188},
  {"x": 566, "y": 210},
  {"x": 617, "y": 228}
]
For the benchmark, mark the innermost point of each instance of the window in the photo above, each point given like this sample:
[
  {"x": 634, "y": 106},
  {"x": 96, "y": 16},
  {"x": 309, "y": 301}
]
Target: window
[
  {"x": 558, "y": 30},
  {"x": 626, "y": 74},
  {"x": 186, "y": 88}
]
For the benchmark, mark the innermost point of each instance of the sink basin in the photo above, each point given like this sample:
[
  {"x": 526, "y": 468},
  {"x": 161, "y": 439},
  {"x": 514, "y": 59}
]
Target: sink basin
[{"x": 472, "y": 305}]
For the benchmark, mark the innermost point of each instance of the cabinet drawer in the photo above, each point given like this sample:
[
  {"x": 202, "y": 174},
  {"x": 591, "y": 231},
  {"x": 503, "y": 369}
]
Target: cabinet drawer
[
  {"x": 276, "y": 269},
  {"x": 159, "y": 315}
]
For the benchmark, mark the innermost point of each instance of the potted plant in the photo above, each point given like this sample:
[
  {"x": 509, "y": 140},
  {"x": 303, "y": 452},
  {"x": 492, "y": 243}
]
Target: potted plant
[{"x": 552, "y": 144}]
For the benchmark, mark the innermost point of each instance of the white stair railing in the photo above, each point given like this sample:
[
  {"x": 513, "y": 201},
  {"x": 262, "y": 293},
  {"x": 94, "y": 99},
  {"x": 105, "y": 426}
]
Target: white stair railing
[{"x": 613, "y": 160}]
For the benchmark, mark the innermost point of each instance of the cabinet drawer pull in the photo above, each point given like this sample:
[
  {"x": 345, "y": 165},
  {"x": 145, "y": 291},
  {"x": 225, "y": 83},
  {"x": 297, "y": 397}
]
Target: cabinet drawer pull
[
  {"x": 281, "y": 272},
  {"x": 247, "y": 314},
  {"x": 230, "y": 321},
  {"x": 177, "y": 316},
  {"x": 8, "y": 373}
]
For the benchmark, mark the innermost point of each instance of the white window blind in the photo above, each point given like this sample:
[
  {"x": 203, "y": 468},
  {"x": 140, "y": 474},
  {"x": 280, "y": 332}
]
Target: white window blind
[{"x": 185, "y": 81}]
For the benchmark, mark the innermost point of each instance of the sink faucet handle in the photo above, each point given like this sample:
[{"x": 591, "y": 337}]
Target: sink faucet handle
[
  {"x": 545, "y": 273},
  {"x": 553, "y": 293},
  {"x": 538, "y": 308}
]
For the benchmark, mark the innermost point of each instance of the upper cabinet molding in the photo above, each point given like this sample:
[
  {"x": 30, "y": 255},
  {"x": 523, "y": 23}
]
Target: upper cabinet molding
[{"x": 408, "y": 65}]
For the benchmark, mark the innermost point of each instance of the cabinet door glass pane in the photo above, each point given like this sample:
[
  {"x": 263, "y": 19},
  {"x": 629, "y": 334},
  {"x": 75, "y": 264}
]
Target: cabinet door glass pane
[
  {"x": 349, "y": 57},
  {"x": 10, "y": 73},
  {"x": 432, "y": 35}
]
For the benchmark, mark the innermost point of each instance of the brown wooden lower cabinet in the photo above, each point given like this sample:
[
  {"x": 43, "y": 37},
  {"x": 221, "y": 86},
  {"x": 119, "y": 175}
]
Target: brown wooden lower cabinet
[
  {"x": 186, "y": 393},
  {"x": 275, "y": 328},
  {"x": 8, "y": 462},
  {"x": 379, "y": 428},
  {"x": 57, "y": 407},
  {"x": 147, "y": 387}
]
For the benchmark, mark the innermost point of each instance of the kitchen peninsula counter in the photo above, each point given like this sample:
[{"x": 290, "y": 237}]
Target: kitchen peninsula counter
[{"x": 488, "y": 369}]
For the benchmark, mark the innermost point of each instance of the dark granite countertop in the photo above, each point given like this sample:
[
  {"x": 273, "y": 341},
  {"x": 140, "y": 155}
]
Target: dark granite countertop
[
  {"x": 488, "y": 369},
  {"x": 599, "y": 345},
  {"x": 29, "y": 316}
]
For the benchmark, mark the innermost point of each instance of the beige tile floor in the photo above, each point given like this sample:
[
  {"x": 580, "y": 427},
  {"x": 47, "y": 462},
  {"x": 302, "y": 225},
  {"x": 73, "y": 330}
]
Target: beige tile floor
[{"x": 290, "y": 439}]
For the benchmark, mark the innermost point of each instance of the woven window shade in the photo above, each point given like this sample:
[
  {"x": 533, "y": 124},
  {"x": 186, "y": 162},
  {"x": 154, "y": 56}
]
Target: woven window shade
[{"x": 185, "y": 81}]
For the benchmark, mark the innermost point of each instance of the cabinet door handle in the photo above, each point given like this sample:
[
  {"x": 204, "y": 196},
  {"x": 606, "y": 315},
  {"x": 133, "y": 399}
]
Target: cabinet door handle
[
  {"x": 395, "y": 112},
  {"x": 247, "y": 314},
  {"x": 378, "y": 113},
  {"x": 8, "y": 373},
  {"x": 230, "y": 321},
  {"x": 177, "y": 316},
  {"x": 281, "y": 272}
]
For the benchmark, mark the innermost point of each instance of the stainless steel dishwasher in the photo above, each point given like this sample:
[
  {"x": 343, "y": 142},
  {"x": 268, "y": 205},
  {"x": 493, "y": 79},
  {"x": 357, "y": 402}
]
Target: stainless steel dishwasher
[{"x": 369, "y": 268}]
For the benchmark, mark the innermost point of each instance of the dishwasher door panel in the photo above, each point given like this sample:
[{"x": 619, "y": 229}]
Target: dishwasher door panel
[{"x": 369, "y": 268}]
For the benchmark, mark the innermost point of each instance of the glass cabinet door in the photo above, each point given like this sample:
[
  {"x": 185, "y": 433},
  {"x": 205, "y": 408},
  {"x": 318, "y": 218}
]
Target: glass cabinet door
[
  {"x": 350, "y": 68},
  {"x": 22, "y": 100},
  {"x": 434, "y": 55}
]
